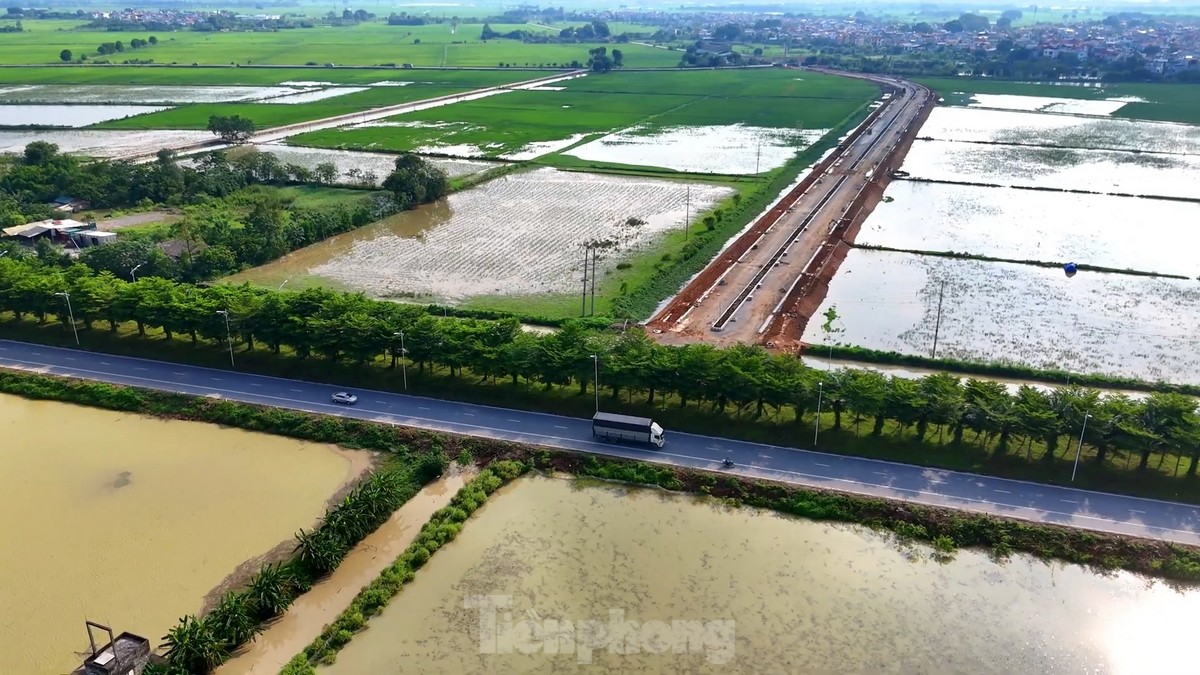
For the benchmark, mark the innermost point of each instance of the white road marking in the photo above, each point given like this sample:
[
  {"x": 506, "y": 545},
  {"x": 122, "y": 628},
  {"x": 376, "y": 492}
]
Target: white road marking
[
  {"x": 766, "y": 456},
  {"x": 1003, "y": 492},
  {"x": 215, "y": 379},
  {"x": 105, "y": 363},
  {"x": 141, "y": 369},
  {"x": 820, "y": 464},
  {"x": 1135, "y": 511},
  {"x": 1067, "y": 501},
  {"x": 880, "y": 473},
  {"x": 469, "y": 414},
  {"x": 421, "y": 407},
  {"x": 559, "y": 427},
  {"x": 516, "y": 421},
  {"x": 69, "y": 358},
  {"x": 255, "y": 384},
  {"x": 179, "y": 374},
  {"x": 297, "y": 391}
]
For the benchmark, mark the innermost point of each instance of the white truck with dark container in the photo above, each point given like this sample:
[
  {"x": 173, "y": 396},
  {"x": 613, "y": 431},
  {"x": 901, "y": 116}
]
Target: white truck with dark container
[{"x": 627, "y": 429}]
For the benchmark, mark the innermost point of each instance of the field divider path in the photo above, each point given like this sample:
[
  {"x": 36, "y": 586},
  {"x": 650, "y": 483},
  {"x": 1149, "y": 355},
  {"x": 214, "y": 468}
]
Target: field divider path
[{"x": 279, "y": 133}]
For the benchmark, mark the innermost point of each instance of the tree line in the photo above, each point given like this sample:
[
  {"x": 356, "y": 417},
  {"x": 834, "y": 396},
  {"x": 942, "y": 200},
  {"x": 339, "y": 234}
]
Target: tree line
[
  {"x": 748, "y": 382},
  {"x": 225, "y": 227}
]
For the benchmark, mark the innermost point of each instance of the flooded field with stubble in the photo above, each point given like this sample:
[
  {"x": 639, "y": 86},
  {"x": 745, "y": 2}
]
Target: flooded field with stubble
[
  {"x": 1103, "y": 171},
  {"x": 724, "y": 149},
  {"x": 1043, "y": 226},
  {"x": 99, "y": 143},
  {"x": 133, "y": 521},
  {"x": 755, "y": 592},
  {"x": 1000, "y": 126},
  {"x": 515, "y": 235},
  {"x": 1094, "y": 322},
  {"x": 350, "y": 163}
]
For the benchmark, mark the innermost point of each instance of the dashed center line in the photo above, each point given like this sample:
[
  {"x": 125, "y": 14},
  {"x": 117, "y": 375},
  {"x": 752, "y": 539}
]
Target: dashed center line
[
  {"x": 1135, "y": 511},
  {"x": 516, "y": 421},
  {"x": 820, "y": 464},
  {"x": 105, "y": 363},
  {"x": 421, "y": 407},
  {"x": 1003, "y": 492},
  {"x": 297, "y": 391},
  {"x": 141, "y": 369},
  {"x": 559, "y": 427},
  {"x": 69, "y": 358},
  {"x": 255, "y": 384},
  {"x": 1067, "y": 501},
  {"x": 215, "y": 379},
  {"x": 179, "y": 374}
]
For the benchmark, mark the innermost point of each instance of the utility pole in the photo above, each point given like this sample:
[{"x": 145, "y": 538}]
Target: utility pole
[
  {"x": 67, "y": 296},
  {"x": 937, "y": 325},
  {"x": 596, "y": 381},
  {"x": 595, "y": 255},
  {"x": 757, "y": 157},
  {"x": 228, "y": 335},
  {"x": 687, "y": 212},
  {"x": 583, "y": 295},
  {"x": 403, "y": 356}
]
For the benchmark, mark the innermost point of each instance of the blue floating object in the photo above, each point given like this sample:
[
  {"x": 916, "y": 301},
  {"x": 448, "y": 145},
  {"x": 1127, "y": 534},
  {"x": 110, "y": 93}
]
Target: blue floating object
[{"x": 1070, "y": 268}]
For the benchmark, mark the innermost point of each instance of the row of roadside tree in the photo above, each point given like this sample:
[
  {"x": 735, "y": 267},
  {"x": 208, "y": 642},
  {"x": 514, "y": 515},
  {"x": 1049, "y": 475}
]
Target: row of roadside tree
[{"x": 746, "y": 383}]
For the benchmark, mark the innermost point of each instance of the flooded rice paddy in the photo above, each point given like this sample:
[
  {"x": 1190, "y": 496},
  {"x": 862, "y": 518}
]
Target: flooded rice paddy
[
  {"x": 1097, "y": 230},
  {"x": 132, "y": 521},
  {"x": 754, "y": 591},
  {"x": 998, "y": 126},
  {"x": 351, "y": 164},
  {"x": 131, "y": 94},
  {"x": 1050, "y": 104},
  {"x": 1103, "y": 171},
  {"x": 1133, "y": 326},
  {"x": 727, "y": 149},
  {"x": 318, "y": 95},
  {"x": 516, "y": 235},
  {"x": 69, "y": 115},
  {"x": 102, "y": 143}
]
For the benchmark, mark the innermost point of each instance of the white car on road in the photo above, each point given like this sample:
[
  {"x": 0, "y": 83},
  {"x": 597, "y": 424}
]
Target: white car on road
[{"x": 345, "y": 398}]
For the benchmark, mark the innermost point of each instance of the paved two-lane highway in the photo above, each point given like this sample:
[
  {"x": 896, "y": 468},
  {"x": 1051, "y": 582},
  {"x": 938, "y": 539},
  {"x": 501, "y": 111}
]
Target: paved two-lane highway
[{"x": 1016, "y": 499}]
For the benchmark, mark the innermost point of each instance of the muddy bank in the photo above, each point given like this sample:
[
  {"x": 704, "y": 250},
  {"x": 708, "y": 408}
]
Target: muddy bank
[{"x": 362, "y": 462}]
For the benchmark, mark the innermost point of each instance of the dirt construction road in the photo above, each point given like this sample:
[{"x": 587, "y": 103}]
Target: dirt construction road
[{"x": 758, "y": 282}]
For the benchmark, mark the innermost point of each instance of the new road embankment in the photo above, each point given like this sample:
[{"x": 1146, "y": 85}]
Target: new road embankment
[{"x": 1115, "y": 514}]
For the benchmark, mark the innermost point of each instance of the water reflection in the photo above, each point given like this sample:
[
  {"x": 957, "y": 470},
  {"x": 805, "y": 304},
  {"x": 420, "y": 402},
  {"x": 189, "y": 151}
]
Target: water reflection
[{"x": 805, "y": 596}]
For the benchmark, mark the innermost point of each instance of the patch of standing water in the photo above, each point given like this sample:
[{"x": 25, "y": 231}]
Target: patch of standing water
[
  {"x": 516, "y": 235},
  {"x": 1116, "y": 324},
  {"x": 93, "y": 143},
  {"x": 756, "y": 592},
  {"x": 999, "y": 126},
  {"x": 1043, "y": 226},
  {"x": 725, "y": 149},
  {"x": 69, "y": 115},
  {"x": 1102, "y": 171},
  {"x": 311, "y": 96},
  {"x": 135, "y": 94},
  {"x": 377, "y": 163},
  {"x": 1050, "y": 104},
  {"x": 127, "y": 519}
]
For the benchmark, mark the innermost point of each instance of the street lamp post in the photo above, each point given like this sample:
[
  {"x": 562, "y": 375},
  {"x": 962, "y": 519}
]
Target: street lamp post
[
  {"x": 283, "y": 284},
  {"x": 71, "y": 313},
  {"x": 228, "y": 336},
  {"x": 1079, "y": 448},
  {"x": 817, "y": 422},
  {"x": 133, "y": 272},
  {"x": 596, "y": 380},
  {"x": 403, "y": 355}
]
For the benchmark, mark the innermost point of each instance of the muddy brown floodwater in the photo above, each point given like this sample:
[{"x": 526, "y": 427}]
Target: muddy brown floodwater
[
  {"x": 741, "y": 590},
  {"x": 305, "y": 619},
  {"x": 132, "y": 521}
]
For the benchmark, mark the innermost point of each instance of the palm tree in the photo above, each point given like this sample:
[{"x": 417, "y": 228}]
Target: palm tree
[
  {"x": 270, "y": 591},
  {"x": 192, "y": 645},
  {"x": 231, "y": 621}
]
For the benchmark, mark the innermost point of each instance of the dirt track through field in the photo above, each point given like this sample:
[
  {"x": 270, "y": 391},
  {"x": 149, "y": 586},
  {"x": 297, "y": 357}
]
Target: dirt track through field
[{"x": 765, "y": 285}]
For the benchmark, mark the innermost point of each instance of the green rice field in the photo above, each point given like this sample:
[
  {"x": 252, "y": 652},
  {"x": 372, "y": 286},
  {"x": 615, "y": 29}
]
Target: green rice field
[
  {"x": 275, "y": 114},
  {"x": 365, "y": 44},
  {"x": 228, "y": 75},
  {"x": 599, "y": 104}
]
